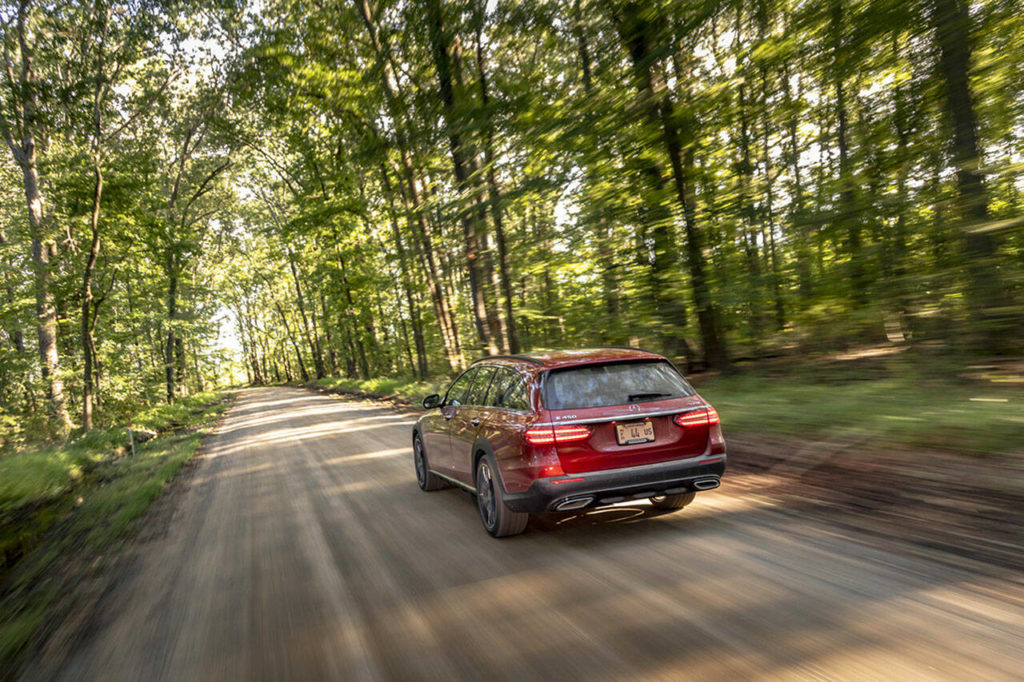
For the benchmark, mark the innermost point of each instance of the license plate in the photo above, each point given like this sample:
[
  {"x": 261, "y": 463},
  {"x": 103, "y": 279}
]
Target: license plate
[{"x": 634, "y": 432}]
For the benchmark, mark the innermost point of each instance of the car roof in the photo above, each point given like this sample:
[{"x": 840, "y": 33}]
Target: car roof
[{"x": 554, "y": 359}]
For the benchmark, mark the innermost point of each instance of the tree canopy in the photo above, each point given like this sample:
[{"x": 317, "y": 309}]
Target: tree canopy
[{"x": 194, "y": 194}]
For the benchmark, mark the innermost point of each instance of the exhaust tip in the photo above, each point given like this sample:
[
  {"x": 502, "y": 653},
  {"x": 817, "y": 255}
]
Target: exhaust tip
[
  {"x": 706, "y": 483},
  {"x": 573, "y": 503}
]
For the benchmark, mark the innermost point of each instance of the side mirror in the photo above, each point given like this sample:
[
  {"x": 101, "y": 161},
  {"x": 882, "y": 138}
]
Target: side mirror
[{"x": 431, "y": 401}]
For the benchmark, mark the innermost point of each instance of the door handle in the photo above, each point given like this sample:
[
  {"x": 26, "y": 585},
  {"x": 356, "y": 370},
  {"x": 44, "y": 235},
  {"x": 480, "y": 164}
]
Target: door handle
[{"x": 475, "y": 421}]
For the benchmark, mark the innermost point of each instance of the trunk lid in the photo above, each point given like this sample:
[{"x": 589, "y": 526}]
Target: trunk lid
[{"x": 602, "y": 449}]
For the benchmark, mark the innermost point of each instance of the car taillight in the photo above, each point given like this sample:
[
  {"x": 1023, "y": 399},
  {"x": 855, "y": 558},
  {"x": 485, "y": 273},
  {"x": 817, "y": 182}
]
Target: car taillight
[
  {"x": 701, "y": 417},
  {"x": 559, "y": 433}
]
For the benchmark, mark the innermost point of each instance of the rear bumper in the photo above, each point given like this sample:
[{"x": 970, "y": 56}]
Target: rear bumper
[{"x": 616, "y": 485}]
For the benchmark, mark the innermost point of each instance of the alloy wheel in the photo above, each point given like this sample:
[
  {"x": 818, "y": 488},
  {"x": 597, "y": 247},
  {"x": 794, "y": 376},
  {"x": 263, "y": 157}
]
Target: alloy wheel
[
  {"x": 485, "y": 495},
  {"x": 421, "y": 465}
]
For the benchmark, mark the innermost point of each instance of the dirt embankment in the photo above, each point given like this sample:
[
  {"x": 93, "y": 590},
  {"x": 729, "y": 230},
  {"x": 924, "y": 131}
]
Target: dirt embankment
[{"x": 970, "y": 506}]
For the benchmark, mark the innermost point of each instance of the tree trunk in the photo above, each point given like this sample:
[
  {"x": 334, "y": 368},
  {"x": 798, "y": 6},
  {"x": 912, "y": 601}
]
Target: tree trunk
[
  {"x": 332, "y": 356},
  {"x": 419, "y": 226},
  {"x": 748, "y": 213},
  {"x": 88, "y": 355},
  {"x": 471, "y": 230},
  {"x": 678, "y": 137},
  {"x": 655, "y": 216},
  {"x": 952, "y": 23},
  {"x": 46, "y": 312},
  {"x": 422, "y": 368},
  {"x": 179, "y": 364},
  {"x": 797, "y": 217},
  {"x": 353, "y": 317},
  {"x": 494, "y": 195},
  {"x": 416, "y": 218},
  {"x": 773, "y": 258},
  {"x": 897, "y": 255},
  {"x": 172, "y": 312},
  {"x": 849, "y": 215},
  {"x": 265, "y": 357},
  {"x": 295, "y": 345},
  {"x": 604, "y": 231},
  {"x": 314, "y": 350},
  {"x": 28, "y": 128},
  {"x": 250, "y": 349},
  {"x": 745, "y": 200}
]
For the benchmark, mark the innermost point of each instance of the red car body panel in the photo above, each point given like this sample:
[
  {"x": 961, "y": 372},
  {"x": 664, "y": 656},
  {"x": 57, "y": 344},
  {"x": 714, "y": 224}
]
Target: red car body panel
[{"x": 505, "y": 431}]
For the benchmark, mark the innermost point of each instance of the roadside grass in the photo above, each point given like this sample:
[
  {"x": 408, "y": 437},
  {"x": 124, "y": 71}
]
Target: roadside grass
[
  {"x": 385, "y": 387},
  {"x": 908, "y": 407},
  {"x": 63, "y": 511},
  {"x": 34, "y": 476}
]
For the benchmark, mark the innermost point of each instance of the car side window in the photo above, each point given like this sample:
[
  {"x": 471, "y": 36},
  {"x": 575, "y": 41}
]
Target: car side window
[
  {"x": 457, "y": 393},
  {"x": 500, "y": 388},
  {"x": 516, "y": 398},
  {"x": 478, "y": 394}
]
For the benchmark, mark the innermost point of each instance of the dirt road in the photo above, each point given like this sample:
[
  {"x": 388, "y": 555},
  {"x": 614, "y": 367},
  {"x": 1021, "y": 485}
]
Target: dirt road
[{"x": 302, "y": 549}]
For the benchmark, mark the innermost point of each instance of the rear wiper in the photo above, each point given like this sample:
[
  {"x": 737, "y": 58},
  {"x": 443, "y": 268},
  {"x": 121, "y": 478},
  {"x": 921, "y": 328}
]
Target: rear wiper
[{"x": 642, "y": 396}]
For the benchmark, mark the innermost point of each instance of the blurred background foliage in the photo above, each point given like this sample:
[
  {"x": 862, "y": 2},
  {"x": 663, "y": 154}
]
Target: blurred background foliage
[{"x": 287, "y": 191}]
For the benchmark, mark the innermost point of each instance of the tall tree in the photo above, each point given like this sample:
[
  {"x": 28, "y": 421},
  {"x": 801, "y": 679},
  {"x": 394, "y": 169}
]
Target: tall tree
[
  {"x": 637, "y": 30},
  {"x": 952, "y": 25},
  {"x": 473, "y": 228},
  {"x": 24, "y": 128}
]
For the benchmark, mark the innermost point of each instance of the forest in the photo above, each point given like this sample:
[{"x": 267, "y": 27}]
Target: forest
[{"x": 197, "y": 195}]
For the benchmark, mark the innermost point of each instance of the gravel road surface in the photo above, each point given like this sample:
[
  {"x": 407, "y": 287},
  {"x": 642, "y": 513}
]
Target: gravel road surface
[{"x": 301, "y": 549}]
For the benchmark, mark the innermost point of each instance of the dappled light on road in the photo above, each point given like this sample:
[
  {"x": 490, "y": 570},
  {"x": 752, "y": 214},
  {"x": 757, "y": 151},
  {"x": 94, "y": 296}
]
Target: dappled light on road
[{"x": 303, "y": 549}]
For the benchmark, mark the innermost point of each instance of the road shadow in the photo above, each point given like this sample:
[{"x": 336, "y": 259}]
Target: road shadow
[{"x": 315, "y": 495}]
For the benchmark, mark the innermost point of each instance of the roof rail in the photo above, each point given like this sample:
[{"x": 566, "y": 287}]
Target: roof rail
[
  {"x": 526, "y": 358},
  {"x": 642, "y": 350}
]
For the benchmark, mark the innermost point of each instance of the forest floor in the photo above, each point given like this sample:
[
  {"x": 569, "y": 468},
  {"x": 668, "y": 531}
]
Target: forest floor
[
  {"x": 65, "y": 510},
  {"x": 926, "y": 451}
]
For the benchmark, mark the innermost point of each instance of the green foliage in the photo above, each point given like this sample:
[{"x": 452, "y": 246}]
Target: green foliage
[
  {"x": 911, "y": 406},
  {"x": 35, "y": 476},
  {"x": 184, "y": 412},
  {"x": 11, "y": 431},
  {"x": 64, "y": 511},
  {"x": 298, "y": 192},
  {"x": 306, "y": 193},
  {"x": 29, "y": 477}
]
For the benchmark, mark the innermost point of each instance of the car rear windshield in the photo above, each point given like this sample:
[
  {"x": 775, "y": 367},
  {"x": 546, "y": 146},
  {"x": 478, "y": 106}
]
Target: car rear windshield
[{"x": 613, "y": 384}]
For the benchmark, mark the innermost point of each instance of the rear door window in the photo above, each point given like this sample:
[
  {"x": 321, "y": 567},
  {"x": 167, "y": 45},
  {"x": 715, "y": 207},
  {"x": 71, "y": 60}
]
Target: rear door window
[
  {"x": 516, "y": 398},
  {"x": 508, "y": 391},
  {"x": 478, "y": 394},
  {"x": 500, "y": 386},
  {"x": 617, "y": 383}
]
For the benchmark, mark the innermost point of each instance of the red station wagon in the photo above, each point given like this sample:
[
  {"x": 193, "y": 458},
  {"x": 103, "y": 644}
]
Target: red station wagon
[{"x": 569, "y": 430}]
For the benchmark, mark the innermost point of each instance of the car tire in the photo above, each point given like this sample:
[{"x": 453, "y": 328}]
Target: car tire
[
  {"x": 498, "y": 520},
  {"x": 427, "y": 480},
  {"x": 672, "y": 502}
]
